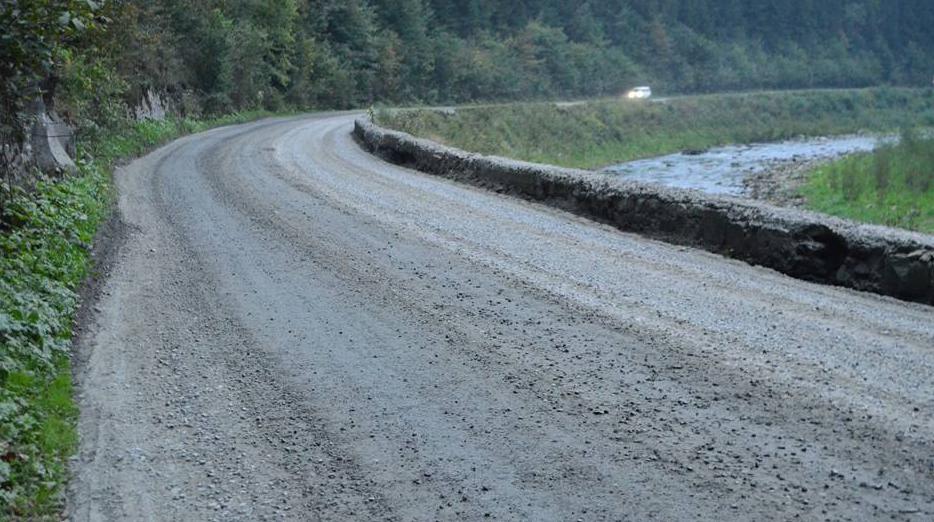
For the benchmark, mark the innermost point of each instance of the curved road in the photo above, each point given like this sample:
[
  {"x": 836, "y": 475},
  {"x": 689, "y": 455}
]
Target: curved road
[{"x": 295, "y": 330}]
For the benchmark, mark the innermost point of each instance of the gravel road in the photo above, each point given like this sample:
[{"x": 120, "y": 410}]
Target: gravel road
[{"x": 291, "y": 329}]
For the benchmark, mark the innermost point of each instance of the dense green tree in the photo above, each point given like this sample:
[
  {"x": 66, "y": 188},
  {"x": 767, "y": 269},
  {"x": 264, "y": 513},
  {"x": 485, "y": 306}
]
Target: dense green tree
[
  {"x": 36, "y": 35},
  {"x": 238, "y": 54}
]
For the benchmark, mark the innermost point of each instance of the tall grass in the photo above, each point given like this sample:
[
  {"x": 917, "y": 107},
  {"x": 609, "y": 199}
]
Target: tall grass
[
  {"x": 611, "y": 131},
  {"x": 892, "y": 186}
]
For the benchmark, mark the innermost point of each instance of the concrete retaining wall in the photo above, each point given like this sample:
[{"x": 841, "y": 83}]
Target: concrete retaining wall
[{"x": 805, "y": 245}]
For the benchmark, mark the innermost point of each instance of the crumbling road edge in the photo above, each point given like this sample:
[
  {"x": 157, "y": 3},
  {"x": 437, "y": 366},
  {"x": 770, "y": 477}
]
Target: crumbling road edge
[{"x": 801, "y": 244}]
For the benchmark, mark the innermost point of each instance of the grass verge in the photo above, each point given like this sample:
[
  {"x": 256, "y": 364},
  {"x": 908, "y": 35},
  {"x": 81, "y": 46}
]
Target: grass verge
[
  {"x": 892, "y": 186},
  {"x": 45, "y": 244},
  {"x": 600, "y": 133}
]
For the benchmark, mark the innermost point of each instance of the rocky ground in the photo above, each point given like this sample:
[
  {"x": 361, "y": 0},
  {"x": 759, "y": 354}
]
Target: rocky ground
[{"x": 781, "y": 181}]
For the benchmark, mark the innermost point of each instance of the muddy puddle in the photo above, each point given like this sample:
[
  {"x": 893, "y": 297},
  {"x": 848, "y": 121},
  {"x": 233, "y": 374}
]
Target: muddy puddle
[{"x": 724, "y": 170}]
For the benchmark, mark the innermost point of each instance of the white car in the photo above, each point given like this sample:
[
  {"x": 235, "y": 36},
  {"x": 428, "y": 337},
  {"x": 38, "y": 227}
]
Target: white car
[{"x": 639, "y": 93}]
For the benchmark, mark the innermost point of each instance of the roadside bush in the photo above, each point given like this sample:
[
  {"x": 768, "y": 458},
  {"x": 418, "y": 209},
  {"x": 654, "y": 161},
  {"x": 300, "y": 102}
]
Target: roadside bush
[{"x": 90, "y": 95}]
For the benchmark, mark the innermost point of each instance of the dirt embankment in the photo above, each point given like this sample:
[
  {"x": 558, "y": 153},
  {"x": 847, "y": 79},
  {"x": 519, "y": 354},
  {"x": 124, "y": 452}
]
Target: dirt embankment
[{"x": 800, "y": 244}]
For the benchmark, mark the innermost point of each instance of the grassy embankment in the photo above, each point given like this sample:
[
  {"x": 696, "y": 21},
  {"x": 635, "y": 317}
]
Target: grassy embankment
[
  {"x": 888, "y": 188},
  {"x": 45, "y": 244},
  {"x": 592, "y": 135},
  {"x": 893, "y": 186}
]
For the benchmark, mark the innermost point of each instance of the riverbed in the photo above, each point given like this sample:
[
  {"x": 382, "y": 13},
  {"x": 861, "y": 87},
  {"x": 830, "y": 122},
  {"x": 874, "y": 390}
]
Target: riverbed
[{"x": 728, "y": 170}]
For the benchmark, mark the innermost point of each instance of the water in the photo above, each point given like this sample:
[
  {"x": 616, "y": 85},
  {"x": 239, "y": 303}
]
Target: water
[{"x": 722, "y": 170}]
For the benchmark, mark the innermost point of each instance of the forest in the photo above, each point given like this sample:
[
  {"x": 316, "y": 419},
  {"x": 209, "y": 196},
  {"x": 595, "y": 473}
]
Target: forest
[{"x": 221, "y": 56}]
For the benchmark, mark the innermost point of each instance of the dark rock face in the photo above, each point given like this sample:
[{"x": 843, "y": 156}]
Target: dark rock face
[
  {"x": 800, "y": 244},
  {"x": 53, "y": 144},
  {"x": 47, "y": 149}
]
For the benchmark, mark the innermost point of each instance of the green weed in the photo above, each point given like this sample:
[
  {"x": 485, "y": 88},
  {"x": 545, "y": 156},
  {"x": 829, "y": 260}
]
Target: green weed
[
  {"x": 45, "y": 240},
  {"x": 43, "y": 258}
]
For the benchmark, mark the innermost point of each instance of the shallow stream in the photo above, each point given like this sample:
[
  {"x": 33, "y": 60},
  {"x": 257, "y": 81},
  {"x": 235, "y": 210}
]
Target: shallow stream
[{"x": 722, "y": 170}]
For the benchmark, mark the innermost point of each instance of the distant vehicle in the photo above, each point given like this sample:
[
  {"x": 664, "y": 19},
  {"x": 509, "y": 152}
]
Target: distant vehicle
[{"x": 639, "y": 93}]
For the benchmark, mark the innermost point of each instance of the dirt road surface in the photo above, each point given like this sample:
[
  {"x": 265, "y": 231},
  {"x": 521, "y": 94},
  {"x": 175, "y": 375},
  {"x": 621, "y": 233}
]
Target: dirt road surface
[{"x": 291, "y": 329}]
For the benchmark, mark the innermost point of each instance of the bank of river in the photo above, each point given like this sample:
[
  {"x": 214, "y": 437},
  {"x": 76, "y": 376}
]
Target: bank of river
[{"x": 763, "y": 170}]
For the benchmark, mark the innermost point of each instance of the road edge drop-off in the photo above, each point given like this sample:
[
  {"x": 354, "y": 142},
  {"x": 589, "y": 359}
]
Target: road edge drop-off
[{"x": 801, "y": 244}]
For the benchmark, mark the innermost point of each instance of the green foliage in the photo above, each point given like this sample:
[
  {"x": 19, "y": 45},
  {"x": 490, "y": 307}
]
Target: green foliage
[
  {"x": 35, "y": 34},
  {"x": 43, "y": 259},
  {"x": 610, "y": 131},
  {"x": 34, "y": 31},
  {"x": 44, "y": 256},
  {"x": 892, "y": 186},
  {"x": 246, "y": 54},
  {"x": 90, "y": 94}
]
